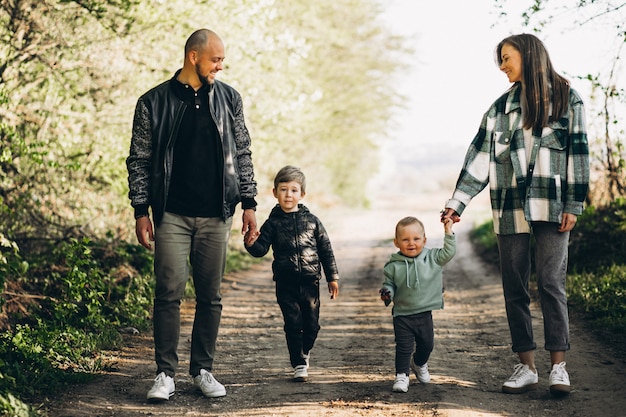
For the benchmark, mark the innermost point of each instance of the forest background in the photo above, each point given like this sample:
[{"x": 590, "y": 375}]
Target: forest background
[{"x": 322, "y": 84}]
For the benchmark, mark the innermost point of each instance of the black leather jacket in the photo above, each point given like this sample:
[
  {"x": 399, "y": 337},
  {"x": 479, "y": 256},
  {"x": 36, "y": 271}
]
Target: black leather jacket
[
  {"x": 300, "y": 244},
  {"x": 155, "y": 128}
]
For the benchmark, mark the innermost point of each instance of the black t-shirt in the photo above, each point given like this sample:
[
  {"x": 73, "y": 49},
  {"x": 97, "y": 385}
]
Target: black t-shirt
[{"x": 196, "y": 183}]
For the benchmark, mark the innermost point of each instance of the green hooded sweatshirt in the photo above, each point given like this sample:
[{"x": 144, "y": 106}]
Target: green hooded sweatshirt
[{"x": 416, "y": 284}]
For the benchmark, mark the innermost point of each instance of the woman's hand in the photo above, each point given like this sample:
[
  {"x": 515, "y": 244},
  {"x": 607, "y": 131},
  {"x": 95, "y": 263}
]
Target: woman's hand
[
  {"x": 568, "y": 221},
  {"x": 449, "y": 213}
]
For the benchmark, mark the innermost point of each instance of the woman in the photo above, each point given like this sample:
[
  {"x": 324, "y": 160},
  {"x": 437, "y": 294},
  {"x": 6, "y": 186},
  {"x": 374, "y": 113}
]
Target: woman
[{"x": 532, "y": 150}]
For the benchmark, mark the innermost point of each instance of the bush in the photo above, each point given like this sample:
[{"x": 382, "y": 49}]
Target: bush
[
  {"x": 601, "y": 295},
  {"x": 597, "y": 241}
]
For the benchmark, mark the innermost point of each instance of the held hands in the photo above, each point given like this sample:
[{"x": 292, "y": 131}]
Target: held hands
[
  {"x": 249, "y": 227},
  {"x": 448, "y": 213},
  {"x": 250, "y": 237}
]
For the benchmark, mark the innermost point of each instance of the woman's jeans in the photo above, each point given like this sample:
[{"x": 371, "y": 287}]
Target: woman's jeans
[
  {"x": 551, "y": 268},
  {"x": 299, "y": 302},
  {"x": 413, "y": 333},
  {"x": 181, "y": 241}
]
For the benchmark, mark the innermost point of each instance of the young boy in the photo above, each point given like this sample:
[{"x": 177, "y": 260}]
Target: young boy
[
  {"x": 301, "y": 249},
  {"x": 413, "y": 280}
]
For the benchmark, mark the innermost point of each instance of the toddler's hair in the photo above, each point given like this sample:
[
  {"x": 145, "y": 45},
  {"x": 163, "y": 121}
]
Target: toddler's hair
[
  {"x": 290, "y": 173},
  {"x": 408, "y": 221}
]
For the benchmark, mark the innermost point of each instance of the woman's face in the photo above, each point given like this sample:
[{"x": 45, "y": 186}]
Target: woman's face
[{"x": 511, "y": 63}]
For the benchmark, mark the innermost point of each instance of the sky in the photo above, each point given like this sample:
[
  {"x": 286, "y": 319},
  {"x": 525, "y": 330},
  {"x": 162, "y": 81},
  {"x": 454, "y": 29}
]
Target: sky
[{"x": 454, "y": 78}]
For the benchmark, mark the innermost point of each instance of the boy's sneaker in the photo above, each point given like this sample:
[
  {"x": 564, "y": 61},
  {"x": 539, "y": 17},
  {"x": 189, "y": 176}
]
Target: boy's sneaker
[
  {"x": 209, "y": 386},
  {"x": 162, "y": 389},
  {"x": 401, "y": 384},
  {"x": 300, "y": 373},
  {"x": 421, "y": 372},
  {"x": 559, "y": 380},
  {"x": 306, "y": 357},
  {"x": 522, "y": 380}
]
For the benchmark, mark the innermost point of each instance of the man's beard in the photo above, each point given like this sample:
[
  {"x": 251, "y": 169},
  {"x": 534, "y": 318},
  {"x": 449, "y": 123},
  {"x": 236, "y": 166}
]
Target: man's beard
[{"x": 203, "y": 79}]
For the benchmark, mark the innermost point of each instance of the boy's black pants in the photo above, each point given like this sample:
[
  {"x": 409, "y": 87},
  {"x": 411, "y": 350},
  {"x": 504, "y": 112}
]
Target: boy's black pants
[{"x": 300, "y": 303}]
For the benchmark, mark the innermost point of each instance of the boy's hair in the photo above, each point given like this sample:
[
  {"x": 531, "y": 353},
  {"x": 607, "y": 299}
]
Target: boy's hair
[
  {"x": 290, "y": 173},
  {"x": 408, "y": 221}
]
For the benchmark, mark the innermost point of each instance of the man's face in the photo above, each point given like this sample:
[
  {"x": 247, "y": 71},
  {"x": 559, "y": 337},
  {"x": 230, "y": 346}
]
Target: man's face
[{"x": 209, "y": 61}]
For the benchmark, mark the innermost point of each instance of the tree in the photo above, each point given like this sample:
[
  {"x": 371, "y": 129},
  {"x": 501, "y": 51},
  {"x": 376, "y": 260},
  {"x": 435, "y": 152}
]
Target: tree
[
  {"x": 608, "y": 99},
  {"x": 54, "y": 84},
  {"x": 312, "y": 76}
]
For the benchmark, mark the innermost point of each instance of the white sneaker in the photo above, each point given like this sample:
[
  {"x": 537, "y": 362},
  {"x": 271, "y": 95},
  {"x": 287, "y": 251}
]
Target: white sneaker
[
  {"x": 306, "y": 357},
  {"x": 300, "y": 373},
  {"x": 209, "y": 386},
  {"x": 162, "y": 389},
  {"x": 522, "y": 380},
  {"x": 421, "y": 372},
  {"x": 401, "y": 384},
  {"x": 559, "y": 380}
]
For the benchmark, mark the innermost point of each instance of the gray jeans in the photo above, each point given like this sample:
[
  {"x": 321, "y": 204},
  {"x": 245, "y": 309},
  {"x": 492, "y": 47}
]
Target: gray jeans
[
  {"x": 179, "y": 242},
  {"x": 551, "y": 269}
]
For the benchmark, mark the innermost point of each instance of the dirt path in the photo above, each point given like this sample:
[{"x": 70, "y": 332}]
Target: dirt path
[{"x": 352, "y": 364}]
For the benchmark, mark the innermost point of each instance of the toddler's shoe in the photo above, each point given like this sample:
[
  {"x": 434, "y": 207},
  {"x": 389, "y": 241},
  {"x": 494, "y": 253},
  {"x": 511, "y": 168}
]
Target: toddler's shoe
[
  {"x": 559, "y": 380},
  {"x": 300, "y": 373},
  {"x": 421, "y": 372},
  {"x": 401, "y": 384},
  {"x": 522, "y": 380}
]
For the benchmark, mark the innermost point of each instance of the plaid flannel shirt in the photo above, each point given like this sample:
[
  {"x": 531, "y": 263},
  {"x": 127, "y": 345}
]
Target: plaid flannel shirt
[{"x": 554, "y": 180}]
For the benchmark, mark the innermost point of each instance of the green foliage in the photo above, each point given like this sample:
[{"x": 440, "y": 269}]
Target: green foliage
[
  {"x": 601, "y": 295},
  {"x": 486, "y": 242},
  {"x": 89, "y": 290},
  {"x": 42, "y": 357},
  {"x": 12, "y": 406},
  {"x": 598, "y": 240}
]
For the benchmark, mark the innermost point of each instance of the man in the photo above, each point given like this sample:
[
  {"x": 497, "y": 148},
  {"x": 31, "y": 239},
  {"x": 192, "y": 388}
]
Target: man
[{"x": 190, "y": 163}]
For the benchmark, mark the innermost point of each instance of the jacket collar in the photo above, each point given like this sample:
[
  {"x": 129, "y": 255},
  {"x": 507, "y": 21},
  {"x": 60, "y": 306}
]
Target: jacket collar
[{"x": 513, "y": 100}]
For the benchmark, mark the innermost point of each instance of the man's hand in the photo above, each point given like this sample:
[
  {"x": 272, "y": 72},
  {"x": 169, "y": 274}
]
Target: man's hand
[
  {"x": 144, "y": 232},
  {"x": 333, "y": 289},
  {"x": 249, "y": 222}
]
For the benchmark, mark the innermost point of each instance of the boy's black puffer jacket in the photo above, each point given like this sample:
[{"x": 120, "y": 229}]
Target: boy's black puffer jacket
[{"x": 300, "y": 244}]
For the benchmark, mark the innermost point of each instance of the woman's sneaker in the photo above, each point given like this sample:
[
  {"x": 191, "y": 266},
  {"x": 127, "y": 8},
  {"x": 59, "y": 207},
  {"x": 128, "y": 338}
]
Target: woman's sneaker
[
  {"x": 522, "y": 380},
  {"x": 162, "y": 389},
  {"x": 559, "y": 380},
  {"x": 421, "y": 372},
  {"x": 401, "y": 384}
]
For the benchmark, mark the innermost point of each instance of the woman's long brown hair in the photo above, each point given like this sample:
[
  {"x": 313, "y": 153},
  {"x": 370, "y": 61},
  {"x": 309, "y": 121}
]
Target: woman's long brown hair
[{"x": 541, "y": 84}]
